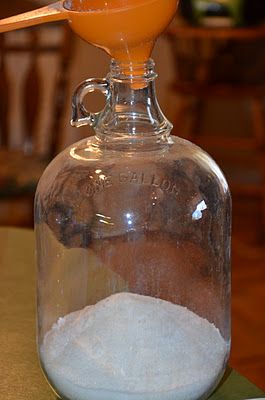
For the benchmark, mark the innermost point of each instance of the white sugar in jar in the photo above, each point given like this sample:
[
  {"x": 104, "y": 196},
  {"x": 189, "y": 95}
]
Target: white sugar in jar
[{"x": 129, "y": 346}]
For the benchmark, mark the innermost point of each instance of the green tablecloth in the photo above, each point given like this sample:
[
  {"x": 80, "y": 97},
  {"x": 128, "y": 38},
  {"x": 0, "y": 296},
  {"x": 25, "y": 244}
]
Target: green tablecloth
[
  {"x": 236, "y": 387},
  {"x": 20, "y": 374}
]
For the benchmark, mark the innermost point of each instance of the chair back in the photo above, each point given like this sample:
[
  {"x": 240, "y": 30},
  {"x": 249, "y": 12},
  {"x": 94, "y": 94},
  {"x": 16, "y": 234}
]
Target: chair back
[{"x": 34, "y": 76}]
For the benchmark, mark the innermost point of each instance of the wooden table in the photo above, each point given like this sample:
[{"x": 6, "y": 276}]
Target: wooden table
[{"x": 20, "y": 374}]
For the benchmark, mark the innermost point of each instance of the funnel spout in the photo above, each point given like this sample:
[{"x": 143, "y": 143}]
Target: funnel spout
[{"x": 50, "y": 13}]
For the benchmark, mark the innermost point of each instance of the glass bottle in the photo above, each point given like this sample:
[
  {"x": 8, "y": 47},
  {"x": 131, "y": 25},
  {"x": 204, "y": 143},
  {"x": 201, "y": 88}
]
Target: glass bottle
[{"x": 133, "y": 250}]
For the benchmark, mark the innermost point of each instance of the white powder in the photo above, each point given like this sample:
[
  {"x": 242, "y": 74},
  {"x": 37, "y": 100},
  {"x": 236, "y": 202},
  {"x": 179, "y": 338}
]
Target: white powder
[{"x": 135, "y": 347}]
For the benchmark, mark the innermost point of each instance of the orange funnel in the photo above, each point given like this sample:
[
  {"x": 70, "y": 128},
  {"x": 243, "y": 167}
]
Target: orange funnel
[{"x": 125, "y": 29}]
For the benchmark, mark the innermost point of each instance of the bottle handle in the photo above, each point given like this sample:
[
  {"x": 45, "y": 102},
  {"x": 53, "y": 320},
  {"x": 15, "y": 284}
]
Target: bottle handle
[{"x": 80, "y": 115}]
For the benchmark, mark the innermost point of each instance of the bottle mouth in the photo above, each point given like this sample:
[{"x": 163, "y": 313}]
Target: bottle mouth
[{"x": 132, "y": 70}]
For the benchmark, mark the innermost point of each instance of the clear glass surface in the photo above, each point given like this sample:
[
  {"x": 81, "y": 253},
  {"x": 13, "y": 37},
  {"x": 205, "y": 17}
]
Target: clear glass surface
[{"x": 132, "y": 211}]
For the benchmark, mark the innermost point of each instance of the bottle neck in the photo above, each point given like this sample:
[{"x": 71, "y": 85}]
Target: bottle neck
[{"x": 132, "y": 111}]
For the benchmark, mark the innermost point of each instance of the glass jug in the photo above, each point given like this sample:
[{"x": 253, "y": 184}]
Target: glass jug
[{"x": 133, "y": 250}]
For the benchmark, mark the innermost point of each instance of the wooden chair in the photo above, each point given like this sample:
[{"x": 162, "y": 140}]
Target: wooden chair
[
  {"x": 228, "y": 64},
  {"x": 34, "y": 73}
]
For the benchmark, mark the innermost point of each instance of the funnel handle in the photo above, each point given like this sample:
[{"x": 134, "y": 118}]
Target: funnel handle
[
  {"x": 50, "y": 13},
  {"x": 80, "y": 115}
]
